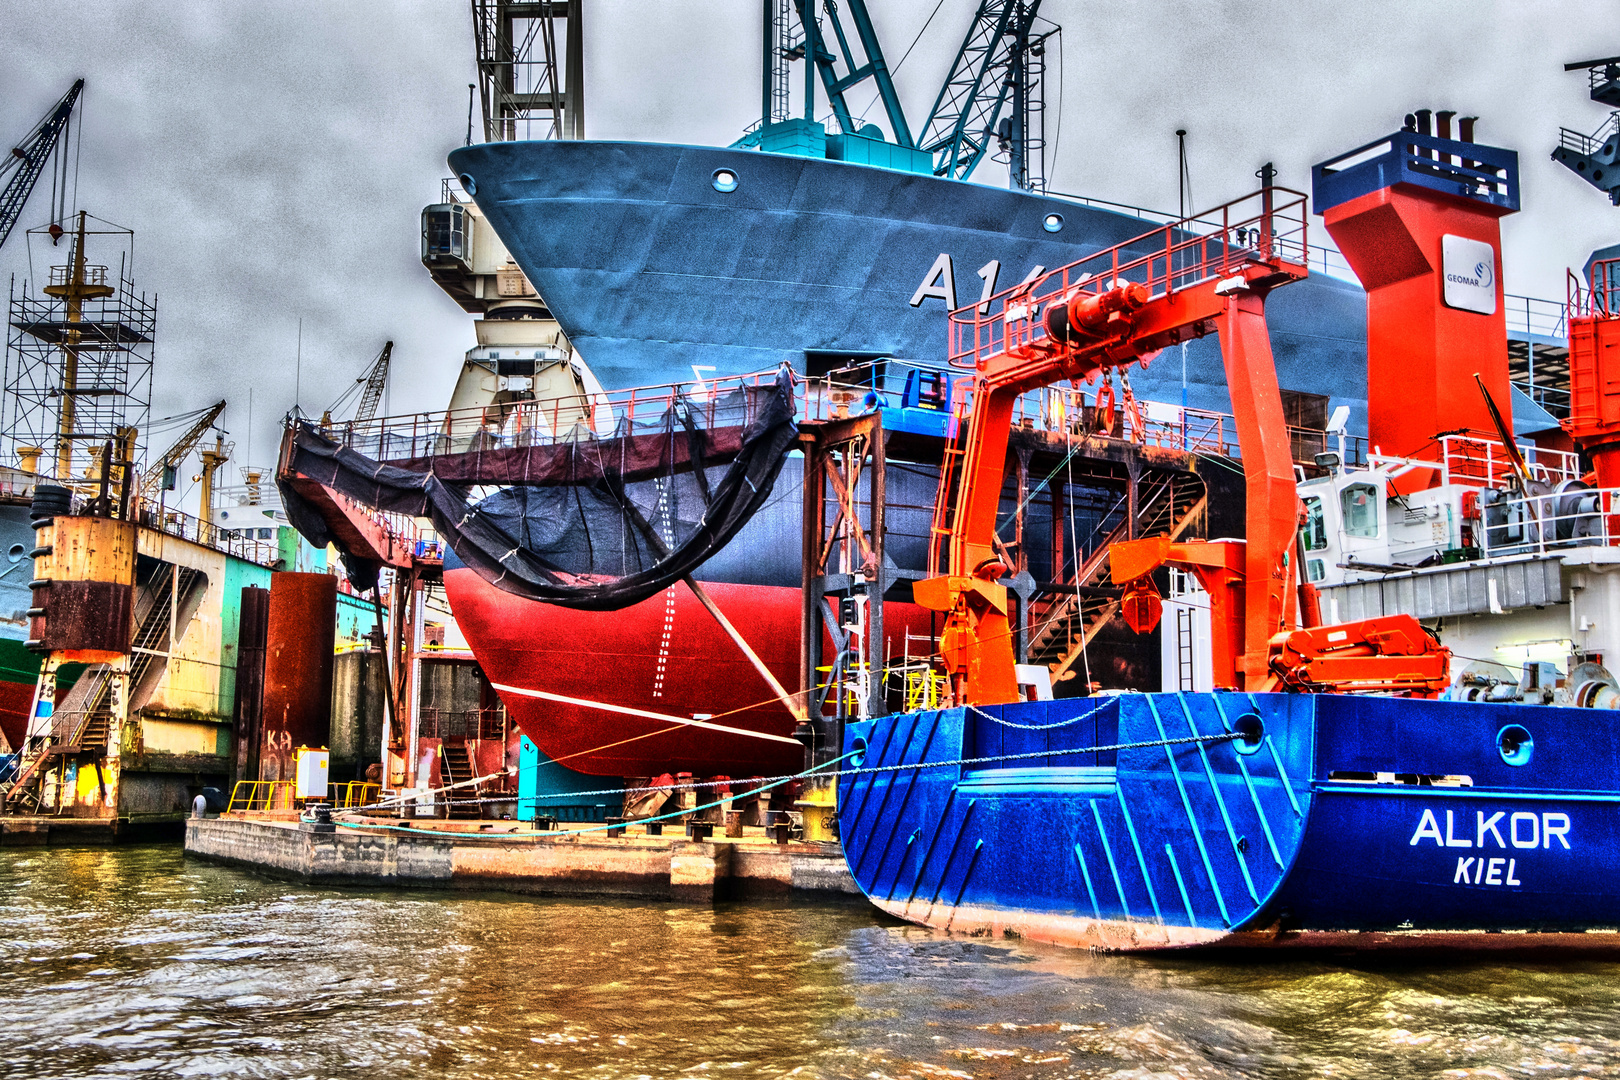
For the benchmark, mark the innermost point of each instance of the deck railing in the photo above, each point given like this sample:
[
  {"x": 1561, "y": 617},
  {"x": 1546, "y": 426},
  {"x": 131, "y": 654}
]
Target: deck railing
[
  {"x": 1269, "y": 226},
  {"x": 551, "y": 421}
]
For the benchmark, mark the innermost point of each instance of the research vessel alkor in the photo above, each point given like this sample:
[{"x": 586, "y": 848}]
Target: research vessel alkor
[{"x": 1315, "y": 798}]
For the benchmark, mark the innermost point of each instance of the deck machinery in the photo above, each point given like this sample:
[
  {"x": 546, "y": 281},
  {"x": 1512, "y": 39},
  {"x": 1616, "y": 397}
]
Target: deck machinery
[{"x": 1208, "y": 274}]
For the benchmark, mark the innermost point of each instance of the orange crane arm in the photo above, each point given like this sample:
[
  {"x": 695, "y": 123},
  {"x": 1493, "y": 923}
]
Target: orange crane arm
[{"x": 1204, "y": 275}]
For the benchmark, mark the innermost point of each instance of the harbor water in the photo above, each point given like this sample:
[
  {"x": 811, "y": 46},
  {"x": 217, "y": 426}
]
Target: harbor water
[{"x": 140, "y": 962}]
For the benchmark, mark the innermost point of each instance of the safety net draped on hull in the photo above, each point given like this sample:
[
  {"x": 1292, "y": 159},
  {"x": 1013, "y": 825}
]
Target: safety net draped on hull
[{"x": 582, "y": 519}]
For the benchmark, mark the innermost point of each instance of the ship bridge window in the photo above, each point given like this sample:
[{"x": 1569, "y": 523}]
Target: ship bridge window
[
  {"x": 1314, "y": 533},
  {"x": 1360, "y": 505}
]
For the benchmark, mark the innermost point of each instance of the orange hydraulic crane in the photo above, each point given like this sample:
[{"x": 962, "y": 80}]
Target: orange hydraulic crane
[{"x": 1208, "y": 274}]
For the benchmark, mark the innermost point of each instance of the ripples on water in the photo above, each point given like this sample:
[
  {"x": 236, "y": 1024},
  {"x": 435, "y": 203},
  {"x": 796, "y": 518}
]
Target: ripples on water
[{"x": 136, "y": 962}]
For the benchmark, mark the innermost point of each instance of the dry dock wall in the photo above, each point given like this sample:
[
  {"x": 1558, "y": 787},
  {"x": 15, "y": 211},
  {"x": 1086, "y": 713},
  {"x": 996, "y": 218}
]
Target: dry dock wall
[{"x": 559, "y": 865}]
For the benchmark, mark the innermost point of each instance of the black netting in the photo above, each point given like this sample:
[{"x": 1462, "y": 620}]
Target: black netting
[{"x": 595, "y": 522}]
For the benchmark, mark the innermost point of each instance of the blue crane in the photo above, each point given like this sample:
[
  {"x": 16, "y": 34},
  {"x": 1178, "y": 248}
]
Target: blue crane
[
  {"x": 992, "y": 96},
  {"x": 27, "y": 160},
  {"x": 990, "y": 67}
]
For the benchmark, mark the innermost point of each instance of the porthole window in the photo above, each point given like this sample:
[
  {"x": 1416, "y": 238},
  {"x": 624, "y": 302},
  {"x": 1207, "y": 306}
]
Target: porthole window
[
  {"x": 1251, "y": 732},
  {"x": 16, "y": 553},
  {"x": 1053, "y": 223},
  {"x": 468, "y": 184},
  {"x": 725, "y": 180},
  {"x": 1515, "y": 744}
]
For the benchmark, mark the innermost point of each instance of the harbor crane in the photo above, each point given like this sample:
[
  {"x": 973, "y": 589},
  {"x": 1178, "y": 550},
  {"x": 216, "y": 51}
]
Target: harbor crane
[
  {"x": 160, "y": 476},
  {"x": 992, "y": 66},
  {"x": 376, "y": 382},
  {"x": 370, "y": 385},
  {"x": 998, "y": 65},
  {"x": 27, "y": 161}
]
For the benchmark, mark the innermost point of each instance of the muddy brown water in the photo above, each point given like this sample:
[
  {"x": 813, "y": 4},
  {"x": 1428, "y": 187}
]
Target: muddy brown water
[{"x": 137, "y": 962}]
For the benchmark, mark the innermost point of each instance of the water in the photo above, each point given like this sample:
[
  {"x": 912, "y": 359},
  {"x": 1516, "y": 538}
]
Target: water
[{"x": 138, "y": 962}]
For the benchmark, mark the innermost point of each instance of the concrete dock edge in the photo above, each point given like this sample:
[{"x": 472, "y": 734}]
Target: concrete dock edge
[{"x": 527, "y": 862}]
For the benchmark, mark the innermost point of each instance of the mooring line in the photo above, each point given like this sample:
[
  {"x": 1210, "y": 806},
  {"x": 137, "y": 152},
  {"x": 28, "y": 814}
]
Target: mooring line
[{"x": 769, "y": 782}]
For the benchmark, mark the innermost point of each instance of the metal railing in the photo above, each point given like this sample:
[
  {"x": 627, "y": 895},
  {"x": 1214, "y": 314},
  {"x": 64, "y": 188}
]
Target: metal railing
[
  {"x": 463, "y": 723},
  {"x": 1578, "y": 142},
  {"x": 355, "y": 793},
  {"x": 1269, "y": 226},
  {"x": 552, "y": 421},
  {"x": 1539, "y": 524},
  {"x": 186, "y": 527},
  {"x": 262, "y": 796},
  {"x": 1480, "y": 462}
]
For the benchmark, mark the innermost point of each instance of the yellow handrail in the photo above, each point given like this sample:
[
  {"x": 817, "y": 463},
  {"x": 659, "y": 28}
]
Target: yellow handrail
[
  {"x": 354, "y": 793},
  {"x": 262, "y": 795}
]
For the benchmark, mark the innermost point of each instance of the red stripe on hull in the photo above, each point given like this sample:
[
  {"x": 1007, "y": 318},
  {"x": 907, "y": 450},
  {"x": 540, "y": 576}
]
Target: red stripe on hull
[{"x": 665, "y": 655}]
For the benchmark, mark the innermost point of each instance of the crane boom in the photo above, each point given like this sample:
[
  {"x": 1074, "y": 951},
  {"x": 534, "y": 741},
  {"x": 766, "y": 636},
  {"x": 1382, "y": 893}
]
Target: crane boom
[
  {"x": 376, "y": 381},
  {"x": 962, "y": 123},
  {"x": 1109, "y": 310},
  {"x": 175, "y": 454},
  {"x": 28, "y": 157}
]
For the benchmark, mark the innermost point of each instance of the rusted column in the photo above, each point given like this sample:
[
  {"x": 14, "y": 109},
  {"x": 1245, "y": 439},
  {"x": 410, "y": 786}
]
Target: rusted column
[
  {"x": 877, "y": 583},
  {"x": 810, "y": 572}
]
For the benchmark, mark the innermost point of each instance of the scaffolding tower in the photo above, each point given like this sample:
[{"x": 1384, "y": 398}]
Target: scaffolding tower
[{"x": 79, "y": 360}]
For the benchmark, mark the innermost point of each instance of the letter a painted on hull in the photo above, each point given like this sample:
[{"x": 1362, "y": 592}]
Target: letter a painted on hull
[
  {"x": 1428, "y": 827},
  {"x": 940, "y": 282}
]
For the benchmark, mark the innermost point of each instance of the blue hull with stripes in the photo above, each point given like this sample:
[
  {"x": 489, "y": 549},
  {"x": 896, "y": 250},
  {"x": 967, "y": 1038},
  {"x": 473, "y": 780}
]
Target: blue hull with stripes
[{"x": 1336, "y": 821}]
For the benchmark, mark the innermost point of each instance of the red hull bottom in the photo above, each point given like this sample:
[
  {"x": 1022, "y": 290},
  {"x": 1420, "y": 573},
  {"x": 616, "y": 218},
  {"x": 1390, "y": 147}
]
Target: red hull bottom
[
  {"x": 15, "y": 701},
  {"x": 666, "y": 655}
]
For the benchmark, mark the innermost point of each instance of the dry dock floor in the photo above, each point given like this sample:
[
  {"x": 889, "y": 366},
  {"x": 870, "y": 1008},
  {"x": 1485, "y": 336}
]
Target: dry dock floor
[{"x": 501, "y": 855}]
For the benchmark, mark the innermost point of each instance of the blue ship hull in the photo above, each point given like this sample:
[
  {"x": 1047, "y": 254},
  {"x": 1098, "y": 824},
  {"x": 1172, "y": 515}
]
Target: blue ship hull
[
  {"x": 1287, "y": 838},
  {"x": 653, "y": 273}
]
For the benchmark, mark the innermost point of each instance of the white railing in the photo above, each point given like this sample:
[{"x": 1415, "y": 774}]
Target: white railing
[
  {"x": 1538, "y": 524},
  {"x": 1479, "y": 462}
]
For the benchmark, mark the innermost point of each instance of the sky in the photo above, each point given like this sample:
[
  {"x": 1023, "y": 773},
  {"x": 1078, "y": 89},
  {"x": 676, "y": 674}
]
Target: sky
[{"x": 273, "y": 159}]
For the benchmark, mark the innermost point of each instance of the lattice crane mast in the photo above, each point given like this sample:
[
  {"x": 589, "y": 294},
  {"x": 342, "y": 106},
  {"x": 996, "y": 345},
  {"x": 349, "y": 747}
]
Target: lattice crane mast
[
  {"x": 1209, "y": 274},
  {"x": 27, "y": 160},
  {"x": 987, "y": 71},
  {"x": 376, "y": 383},
  {"x": 161, "y": 473}
]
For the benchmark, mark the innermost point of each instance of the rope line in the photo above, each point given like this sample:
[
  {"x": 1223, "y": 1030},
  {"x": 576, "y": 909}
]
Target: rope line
[
  {"x": 639, "y": 821},
  {"x": 768, "y": 782}
]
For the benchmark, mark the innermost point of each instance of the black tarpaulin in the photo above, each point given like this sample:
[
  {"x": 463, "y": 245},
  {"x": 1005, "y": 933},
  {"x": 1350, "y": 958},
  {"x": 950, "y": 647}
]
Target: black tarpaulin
[{"x": 597, "y": 523}]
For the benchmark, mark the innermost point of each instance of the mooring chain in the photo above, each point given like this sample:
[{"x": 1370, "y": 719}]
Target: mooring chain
[{"x": 1095, "y": 709}]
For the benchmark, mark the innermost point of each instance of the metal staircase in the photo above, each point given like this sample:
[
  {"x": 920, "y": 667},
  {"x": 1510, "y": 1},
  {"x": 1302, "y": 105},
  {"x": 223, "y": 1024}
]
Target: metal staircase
[
  {"x": 83, "y": 722},
  {"x": 456, "y": 767},
  {"x": 1064, "y": 621}
]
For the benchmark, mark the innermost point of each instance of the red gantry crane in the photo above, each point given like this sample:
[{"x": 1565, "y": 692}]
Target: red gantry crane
[{"x": 1207, "y": 274}]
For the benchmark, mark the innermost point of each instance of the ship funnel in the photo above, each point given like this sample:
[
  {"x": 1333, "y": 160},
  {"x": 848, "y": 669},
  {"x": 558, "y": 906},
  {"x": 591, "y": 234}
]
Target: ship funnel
[
  {"x": 1442, "y": 125},
  {"x": 1465, "y": 128},
  {"x": 1423, "y": 125}
]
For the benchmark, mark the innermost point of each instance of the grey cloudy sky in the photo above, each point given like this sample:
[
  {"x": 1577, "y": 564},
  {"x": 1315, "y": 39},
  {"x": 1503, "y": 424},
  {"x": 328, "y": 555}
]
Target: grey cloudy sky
[{"x": 274, "y": 158}]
